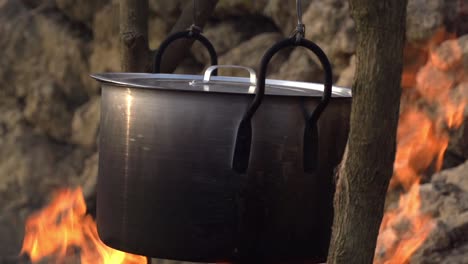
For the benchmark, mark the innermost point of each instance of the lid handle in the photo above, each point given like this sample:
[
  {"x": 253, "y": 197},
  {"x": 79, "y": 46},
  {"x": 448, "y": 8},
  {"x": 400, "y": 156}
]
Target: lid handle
[
  {"x": 211, "y": 69},
  {"x": 310, "y": 144}
]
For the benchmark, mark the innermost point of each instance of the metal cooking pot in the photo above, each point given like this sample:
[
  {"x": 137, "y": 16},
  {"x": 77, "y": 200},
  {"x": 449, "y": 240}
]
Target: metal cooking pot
[{"x": 191, "y": 169}]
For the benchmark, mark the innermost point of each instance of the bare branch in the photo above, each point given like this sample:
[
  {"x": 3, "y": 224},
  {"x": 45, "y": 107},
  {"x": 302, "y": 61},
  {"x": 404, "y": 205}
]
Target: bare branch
[
  {"x": 179, "y": 50},
  {"x": 134, "y": 35}
]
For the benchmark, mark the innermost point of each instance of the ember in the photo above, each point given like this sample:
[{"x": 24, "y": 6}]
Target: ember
[{"x": 62, "y": 227}]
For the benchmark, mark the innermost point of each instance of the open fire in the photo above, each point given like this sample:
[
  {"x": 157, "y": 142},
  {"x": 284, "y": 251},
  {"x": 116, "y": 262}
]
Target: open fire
[
  {"x": 63, "y": 228},
  {"x": 423, "y": 137}
]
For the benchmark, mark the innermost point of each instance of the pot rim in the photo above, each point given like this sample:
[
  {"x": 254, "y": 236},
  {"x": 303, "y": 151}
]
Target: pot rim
[{"x": 134, "y": 80}]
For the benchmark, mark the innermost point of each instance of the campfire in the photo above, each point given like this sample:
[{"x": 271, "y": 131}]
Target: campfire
[
  {"x": 63, "y": 230},
  {"x": 435, "y": 108},
  {"x": 432, "y": 107},
  {"x": 50, "y": 117}
]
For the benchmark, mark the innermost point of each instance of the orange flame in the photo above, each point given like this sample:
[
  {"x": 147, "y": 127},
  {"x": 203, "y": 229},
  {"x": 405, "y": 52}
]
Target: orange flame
[
  {"x": 422, "y": 141},
  {"x": 396, "y": 247},
  {"x": 63, "y": 226},
  {"x": 420, "y": 145},
  {"x": 416, "y": 55}
]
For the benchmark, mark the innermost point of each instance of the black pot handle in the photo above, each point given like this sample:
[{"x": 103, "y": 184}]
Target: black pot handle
[
  {"x": 188, "y": 34},
  {"x": 244, "y": 133}
]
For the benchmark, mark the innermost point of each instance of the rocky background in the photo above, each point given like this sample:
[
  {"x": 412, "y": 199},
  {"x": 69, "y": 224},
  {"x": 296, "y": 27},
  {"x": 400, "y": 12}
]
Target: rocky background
[{"x": 49, "y": 106}]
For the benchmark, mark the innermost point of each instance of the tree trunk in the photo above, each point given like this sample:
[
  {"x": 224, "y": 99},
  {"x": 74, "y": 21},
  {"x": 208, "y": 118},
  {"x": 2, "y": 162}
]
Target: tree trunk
[
  {"x": 134, "y": 36},
  {"x": 367, "y": 165}
]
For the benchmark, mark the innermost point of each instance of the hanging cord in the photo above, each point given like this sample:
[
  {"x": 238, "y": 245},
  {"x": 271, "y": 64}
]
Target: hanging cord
[
  {"x": 299, "y": 32},
  {"x": 194, "y": 29}
]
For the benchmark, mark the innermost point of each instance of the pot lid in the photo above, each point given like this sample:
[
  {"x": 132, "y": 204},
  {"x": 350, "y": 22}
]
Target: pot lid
[{"x": 219, "y": 84}]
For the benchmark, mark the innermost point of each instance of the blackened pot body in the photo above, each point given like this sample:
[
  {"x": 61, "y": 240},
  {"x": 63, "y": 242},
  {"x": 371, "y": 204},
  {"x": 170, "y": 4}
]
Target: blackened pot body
[{"x": 166, "y": 188}]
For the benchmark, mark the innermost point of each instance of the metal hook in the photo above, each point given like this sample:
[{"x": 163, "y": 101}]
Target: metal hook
[
  {"x": 194, "y": 29},
  {"x": 299, "y": 11},
  {"x": 194, "y": 3},
  {"x": 300, "y": 28}
]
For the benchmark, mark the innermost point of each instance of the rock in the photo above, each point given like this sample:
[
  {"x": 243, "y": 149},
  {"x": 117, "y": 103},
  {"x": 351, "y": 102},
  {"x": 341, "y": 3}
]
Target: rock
[
  {"x": 284, "y": 14},
  {"x": 106, "y": 23},
  {"x": 423, "y": 19},
  {"x": 223, "y": 36},
  {"x": 238, "y": 8},
  {"x": 189, "y": 66},
  {"x": 457, "y": 150},
  {"x": 456, "y": 13},
  {"x": 47, "y": 109},
  {"x": 299, "y": 67},
  {"x": 44, "y": 64},
  {"x": 447, "y": 242},
  {"x": 85, "y": 123},
  {"x": 447, "y": 245},
  {"x": 42, "y": 46},
  {"x": 457, "y": 176},
  {"x": 249, "y": 54},
  {"x": 329, "y": 24},
  {"x": 11, "y": 237},
  {"x": 157, "y": 31},
  {"x": 88, "y": 178},
  {"x": 8, "y": 11},
  {"x": 31, "y": 167},
  {"x": 168, "y": 11},
  {"x": 105, "y": 56},
  {"x": 87, "y": 181},
  {"x": 11, "y": 115},
  {"x": 463, "y": 43},
  {"x": 229, "y": 33},
  {"x": 445, "y": 199},
  {"x": 83, "y": 11},
  {"x": 347, "y": 75}
]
